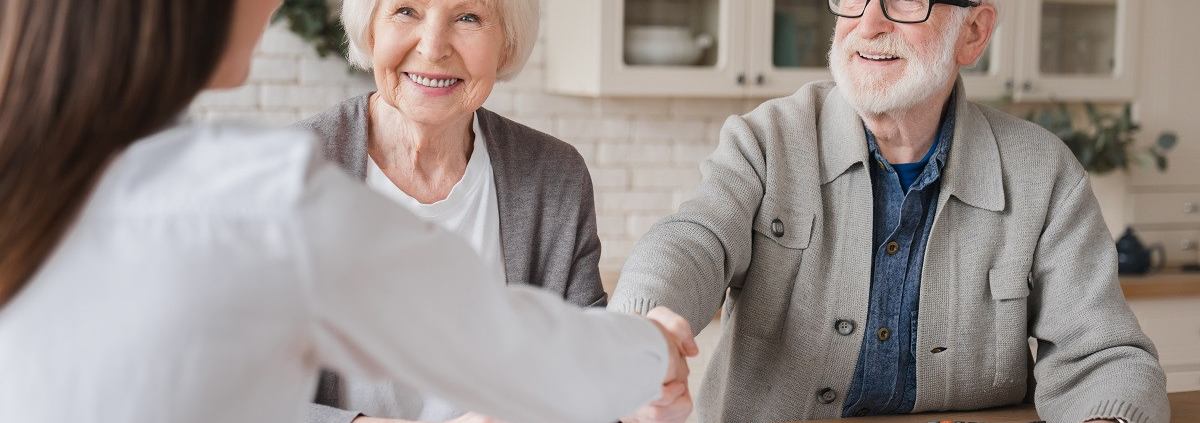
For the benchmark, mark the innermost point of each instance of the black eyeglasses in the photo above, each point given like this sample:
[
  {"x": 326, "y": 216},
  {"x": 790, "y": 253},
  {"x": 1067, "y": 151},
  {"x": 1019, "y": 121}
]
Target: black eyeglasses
[{"x": 902, "y": 11}]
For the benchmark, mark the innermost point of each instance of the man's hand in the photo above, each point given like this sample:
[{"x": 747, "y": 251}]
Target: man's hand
[
  {"x": 473, "y": 417},
  {"x": 465, "y": 418},
  {"x": 680, "y": 343},
  {"x": 674, "y": 407}
]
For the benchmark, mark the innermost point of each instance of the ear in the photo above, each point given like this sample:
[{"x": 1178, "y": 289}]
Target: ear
[{"x": 977, "y": 30}]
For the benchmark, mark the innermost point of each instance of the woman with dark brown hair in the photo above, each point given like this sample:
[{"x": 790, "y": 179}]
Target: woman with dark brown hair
[{"x": 154, "y": 270}]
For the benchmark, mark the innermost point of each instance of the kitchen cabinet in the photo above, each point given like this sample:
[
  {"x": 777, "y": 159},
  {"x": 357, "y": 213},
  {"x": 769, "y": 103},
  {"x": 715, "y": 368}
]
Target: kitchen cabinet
[
  {"x": 1173, "y": 323},
  {"x": 1164, "y": 207},
  {"x": 1042, "y": 49}
]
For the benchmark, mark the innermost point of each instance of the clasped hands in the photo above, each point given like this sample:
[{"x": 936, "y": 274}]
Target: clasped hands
[{"x": 676, "y": 402}]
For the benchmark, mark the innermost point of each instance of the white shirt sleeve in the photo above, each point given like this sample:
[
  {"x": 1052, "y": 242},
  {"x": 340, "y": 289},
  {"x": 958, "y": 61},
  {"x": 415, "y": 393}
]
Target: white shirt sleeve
[{"x": 393, "y": 297}]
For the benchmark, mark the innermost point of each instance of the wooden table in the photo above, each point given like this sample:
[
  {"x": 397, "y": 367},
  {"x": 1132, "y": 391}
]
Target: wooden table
[
  {"x": 1185, "y": 408},
  {"x": 1167, "y": 283}
]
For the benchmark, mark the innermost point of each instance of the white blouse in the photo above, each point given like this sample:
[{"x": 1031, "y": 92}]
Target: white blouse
[
  {"x": 472, "y": 212},
  {"x": 216, "y": 268}
]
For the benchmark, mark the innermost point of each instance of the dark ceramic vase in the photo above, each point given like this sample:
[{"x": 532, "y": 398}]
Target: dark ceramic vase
[{"x": 1133, "y": 258}]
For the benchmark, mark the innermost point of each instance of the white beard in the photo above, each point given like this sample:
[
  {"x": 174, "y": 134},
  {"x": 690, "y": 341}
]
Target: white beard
[{"x": 871, "y": 94}]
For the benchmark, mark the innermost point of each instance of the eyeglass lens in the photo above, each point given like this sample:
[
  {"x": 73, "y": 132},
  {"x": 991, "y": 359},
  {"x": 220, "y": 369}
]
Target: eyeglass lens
[{"x": 896, "y": 10}]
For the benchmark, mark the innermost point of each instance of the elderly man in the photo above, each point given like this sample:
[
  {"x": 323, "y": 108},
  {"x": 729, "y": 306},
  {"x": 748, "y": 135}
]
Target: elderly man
[{"x": 881, "y": 245}]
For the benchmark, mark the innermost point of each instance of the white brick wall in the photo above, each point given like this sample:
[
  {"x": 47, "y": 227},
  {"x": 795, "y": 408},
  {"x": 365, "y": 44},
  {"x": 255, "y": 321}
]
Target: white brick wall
[{"x": 643, "y": 153}]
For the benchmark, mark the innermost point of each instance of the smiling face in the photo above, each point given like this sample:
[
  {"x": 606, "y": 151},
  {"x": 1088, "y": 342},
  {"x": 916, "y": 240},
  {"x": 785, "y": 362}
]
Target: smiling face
[
  {"x": 435, "y": 61},
  {"x": 883, "y": 66}
]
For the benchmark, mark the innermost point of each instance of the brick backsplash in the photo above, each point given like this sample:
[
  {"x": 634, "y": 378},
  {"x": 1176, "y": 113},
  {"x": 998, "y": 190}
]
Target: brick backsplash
[{"x": 643, "y": 154}]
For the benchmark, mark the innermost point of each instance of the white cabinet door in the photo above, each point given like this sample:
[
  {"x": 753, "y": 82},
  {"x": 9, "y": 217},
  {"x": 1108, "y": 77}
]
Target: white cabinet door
[
  {"x": 1041, "y": 50},
  {"x": 593, "y": 47},
  {"x": 1077, "y": 50}
]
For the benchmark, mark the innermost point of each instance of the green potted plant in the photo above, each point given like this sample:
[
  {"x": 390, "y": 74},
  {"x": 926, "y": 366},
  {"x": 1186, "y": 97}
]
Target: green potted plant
[
  {"x": 1104, "y": 146},
  {"x": 1105, "y": 143},
  {"x": 313, "y": 22}
]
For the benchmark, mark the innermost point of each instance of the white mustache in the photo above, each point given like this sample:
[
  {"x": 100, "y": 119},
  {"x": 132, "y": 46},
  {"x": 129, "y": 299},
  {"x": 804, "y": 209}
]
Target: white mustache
[{"x": 890, "y": 44}]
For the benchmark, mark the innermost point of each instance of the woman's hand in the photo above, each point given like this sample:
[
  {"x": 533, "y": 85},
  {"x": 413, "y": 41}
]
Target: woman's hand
[
  {"x": 676, "y": 402},
  {"x": 680, "y": 342}
]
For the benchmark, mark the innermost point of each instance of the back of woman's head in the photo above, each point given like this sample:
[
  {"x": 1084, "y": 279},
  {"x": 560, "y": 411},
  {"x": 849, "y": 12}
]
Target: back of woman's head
[{"x": 79, "y": 81}]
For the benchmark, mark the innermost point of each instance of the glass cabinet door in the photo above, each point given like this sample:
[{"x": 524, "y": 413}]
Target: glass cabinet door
[
  {"x": 676, "y": 48},
  {"x": 1078, "y": 38},
  {"x": 1079, "y": 49},
  {"x": 790, "y": 43}
]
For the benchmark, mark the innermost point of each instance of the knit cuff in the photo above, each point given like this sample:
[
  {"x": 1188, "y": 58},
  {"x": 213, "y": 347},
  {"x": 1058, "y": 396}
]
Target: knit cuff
[
  {"x": 1112, "y": 409},
  {"x": 638, "y": 305}
]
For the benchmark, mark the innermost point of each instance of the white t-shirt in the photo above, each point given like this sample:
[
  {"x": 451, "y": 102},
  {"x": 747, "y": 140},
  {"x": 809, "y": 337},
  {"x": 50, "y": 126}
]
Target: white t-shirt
[
  {"x": 215, "y": 268},
  {"x": 471, "y": 211}
]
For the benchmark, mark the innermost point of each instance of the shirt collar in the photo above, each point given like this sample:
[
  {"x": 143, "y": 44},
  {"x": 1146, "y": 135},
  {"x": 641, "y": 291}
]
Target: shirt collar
[
  {"x": 936, "y": 156},
  {"x": 972, "y": 174}
]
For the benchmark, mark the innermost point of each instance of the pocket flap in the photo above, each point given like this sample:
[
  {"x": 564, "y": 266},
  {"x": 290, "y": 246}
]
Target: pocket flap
[
  {"x": 790, "y": 229},
  {"x": 1009, "y": 281}
]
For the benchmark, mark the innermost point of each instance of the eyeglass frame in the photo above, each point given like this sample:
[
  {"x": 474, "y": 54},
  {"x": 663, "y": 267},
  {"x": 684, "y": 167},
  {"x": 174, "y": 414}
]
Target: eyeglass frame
[{"x": 928, "y": 11}]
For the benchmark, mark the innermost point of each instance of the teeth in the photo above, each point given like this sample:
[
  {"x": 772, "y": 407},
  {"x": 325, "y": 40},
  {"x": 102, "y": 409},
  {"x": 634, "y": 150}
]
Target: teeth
[
  {"x": 432, "y": 83},
  {"x": 868, "y": 56}
]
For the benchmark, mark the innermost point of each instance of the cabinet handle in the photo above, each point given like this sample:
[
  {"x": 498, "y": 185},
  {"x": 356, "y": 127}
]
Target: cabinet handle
[
  {"x": 741, "y": 79},
  {"x": 1187, "y": 244},
  {"x": 1189, "y": 207},
  {"x": 1008, "y": 85},
  {"x": 760, "y": 79},
  {"x": 1027, "y": 86}
]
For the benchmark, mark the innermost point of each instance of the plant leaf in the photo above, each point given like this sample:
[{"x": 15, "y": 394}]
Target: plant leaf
[{"x": 1167, "y": 140}]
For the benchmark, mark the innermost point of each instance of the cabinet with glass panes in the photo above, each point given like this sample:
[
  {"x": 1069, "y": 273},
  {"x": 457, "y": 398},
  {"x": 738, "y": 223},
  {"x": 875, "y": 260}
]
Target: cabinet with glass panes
[{"x": 1042, "y": 49}]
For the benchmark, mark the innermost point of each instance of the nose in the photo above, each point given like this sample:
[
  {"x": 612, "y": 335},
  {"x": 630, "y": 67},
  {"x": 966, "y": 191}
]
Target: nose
[
  {"x": 434, "y": 44},
  {"x": 873, "y": 21}
]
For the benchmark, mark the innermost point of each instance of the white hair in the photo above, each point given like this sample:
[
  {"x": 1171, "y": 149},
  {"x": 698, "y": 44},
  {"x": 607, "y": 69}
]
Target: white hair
[{"x": 519, "y": 25}]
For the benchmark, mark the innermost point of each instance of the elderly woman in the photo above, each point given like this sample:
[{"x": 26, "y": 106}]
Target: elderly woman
[{"x": 521, "y": 198}]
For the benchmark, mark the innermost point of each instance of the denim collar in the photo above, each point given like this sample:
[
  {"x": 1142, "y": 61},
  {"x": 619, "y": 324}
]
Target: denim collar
[{"x": 937, "y": 154}]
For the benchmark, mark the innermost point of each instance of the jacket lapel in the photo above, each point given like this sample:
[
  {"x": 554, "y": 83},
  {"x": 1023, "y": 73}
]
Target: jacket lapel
[{"x": 973, "y": 173}]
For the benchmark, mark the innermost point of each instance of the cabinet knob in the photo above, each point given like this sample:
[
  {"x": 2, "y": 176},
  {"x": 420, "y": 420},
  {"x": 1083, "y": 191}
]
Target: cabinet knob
[
  {"x": 1187, "y": 244},
  {"x": 760, "y": 79},
  {"x": 741, "y": 79},
  {"x": 1027, "y": 86},
  {"x": 1189, "y": 207},
  {"x": 1008, "y": 85}
]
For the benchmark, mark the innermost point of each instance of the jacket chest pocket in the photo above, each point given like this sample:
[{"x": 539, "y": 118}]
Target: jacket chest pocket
[
  {"x": 1010, "y": 285},
  {"x": 763, "y": 297}
]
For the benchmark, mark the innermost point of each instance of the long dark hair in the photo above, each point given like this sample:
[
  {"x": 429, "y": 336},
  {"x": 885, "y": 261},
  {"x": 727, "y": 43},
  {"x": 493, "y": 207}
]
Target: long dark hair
[{"x": 79, "y": 81}]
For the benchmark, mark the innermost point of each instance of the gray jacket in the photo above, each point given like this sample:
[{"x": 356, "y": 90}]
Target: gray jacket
[
  {"x": 546, "y": 206},
  {"x": 779, "y": 233}
]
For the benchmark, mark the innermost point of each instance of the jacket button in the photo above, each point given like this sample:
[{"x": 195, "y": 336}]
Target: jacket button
[
  {"x": 844, "y": 327},
  {"x": 892, "y": 247},
  {"x": 884, "y": 334},
  {"x": 861, "y": 412},
  {"x": 777, "y": 228},
  {"x": 826, "y": 396}
]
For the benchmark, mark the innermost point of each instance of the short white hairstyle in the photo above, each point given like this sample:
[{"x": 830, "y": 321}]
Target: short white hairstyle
[{"x": 519, "y": 25}]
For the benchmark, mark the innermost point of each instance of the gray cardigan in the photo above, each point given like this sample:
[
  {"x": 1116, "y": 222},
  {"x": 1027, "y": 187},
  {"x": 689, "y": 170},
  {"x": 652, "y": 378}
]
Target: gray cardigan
[
  {"x": 546, "y": 206},
  {"x": 779, "y": 232}
]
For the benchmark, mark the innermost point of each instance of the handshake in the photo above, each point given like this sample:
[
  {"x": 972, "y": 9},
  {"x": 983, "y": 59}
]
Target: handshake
[{"x": 676, "y": 402}]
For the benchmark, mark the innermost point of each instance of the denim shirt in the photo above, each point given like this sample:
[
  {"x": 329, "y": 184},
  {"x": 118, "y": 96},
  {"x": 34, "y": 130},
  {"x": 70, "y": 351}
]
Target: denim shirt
[{"x": 885, "y": 375}]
